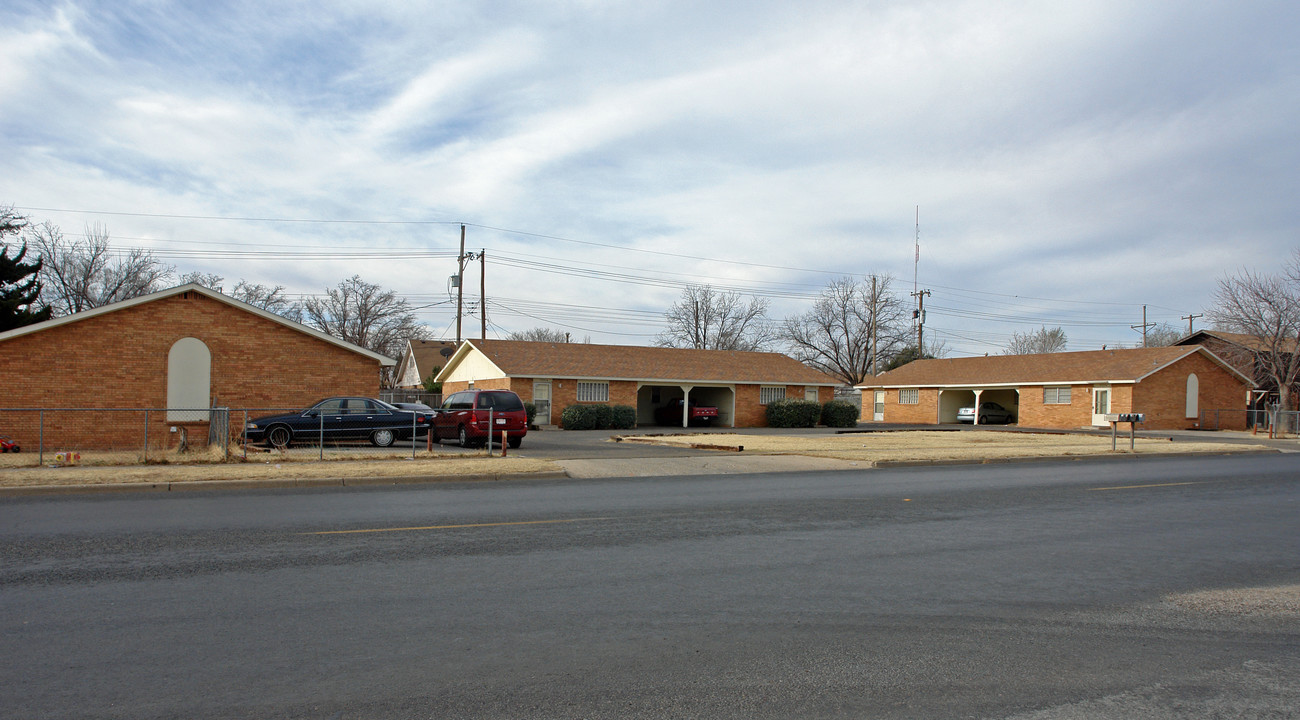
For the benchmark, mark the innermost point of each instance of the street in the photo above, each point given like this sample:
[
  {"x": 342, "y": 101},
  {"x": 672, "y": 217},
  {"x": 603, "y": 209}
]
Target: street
[{"x": 1031, "y": 590}]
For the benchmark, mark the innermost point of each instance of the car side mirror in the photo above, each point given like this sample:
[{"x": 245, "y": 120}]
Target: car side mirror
[{"x": 312, "y": 413}]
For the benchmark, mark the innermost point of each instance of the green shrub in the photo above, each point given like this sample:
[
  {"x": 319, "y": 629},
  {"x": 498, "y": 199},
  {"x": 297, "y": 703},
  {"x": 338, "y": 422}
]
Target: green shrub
[
  {"x": 598, "y": 417},
  {"x": 793, "y": 413},
  {"x": 579, "y": 417},
  {"x": 624, "y": 417},
  {"x": 604, "y": 416},
  {"x": 839, "y": 414},
  {"x": 531, "y": 409}
]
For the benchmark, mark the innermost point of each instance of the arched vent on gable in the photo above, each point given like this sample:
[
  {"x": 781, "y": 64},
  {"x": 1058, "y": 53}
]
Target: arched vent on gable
[{"x": 189, "y": 380}]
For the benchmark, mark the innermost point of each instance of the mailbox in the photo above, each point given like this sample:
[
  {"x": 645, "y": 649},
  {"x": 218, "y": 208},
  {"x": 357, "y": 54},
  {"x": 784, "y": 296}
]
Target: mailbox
[{"x": 1125, "y": 417}]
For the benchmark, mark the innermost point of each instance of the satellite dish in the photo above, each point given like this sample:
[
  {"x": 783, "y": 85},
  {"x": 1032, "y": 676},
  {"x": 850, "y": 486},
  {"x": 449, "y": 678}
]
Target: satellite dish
[{"x": 445, "y": 352}]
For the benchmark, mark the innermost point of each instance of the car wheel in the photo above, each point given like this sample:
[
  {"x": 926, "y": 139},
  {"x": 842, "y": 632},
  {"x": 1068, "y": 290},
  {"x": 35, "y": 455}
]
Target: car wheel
[
  {"x": 279, "y": 436},
  {"x": 382, "y": 438},
  {"x": 464, "y": 438},
  {"x": 515, "y": 442},
  {"x": 984, "y": 420}
]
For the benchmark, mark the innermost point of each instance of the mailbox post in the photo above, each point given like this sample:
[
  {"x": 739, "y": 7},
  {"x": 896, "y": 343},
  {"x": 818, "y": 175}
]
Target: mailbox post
[{"x": 1132, "y": 419}]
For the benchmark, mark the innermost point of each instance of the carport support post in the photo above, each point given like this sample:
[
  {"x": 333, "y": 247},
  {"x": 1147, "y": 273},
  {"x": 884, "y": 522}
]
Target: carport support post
[
  {"x": 976, "y": 420},
  {"x": 686, "y": 405}
]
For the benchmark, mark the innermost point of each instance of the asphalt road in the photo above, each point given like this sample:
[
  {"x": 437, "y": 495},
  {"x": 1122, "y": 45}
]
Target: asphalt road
[{"x": 1001, "y": 591}]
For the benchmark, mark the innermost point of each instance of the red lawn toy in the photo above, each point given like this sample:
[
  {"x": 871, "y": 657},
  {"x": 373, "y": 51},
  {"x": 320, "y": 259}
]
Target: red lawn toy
[{"x": 7, "y": 445}]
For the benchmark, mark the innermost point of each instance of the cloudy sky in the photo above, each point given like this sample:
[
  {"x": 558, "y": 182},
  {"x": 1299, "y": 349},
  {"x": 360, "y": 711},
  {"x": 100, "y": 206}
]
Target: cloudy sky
[{"x": 1072, "y": 162}]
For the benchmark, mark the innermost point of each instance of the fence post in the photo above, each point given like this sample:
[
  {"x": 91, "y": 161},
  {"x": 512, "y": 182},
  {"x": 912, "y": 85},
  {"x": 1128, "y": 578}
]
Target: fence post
[
  {"x": 412, "y": 434},
  {"x": 41, "y": 460},
  {"x": 321, "y": 415},
  {"x": 146, "y": 436},
  {"x": 243, "y": 435}
]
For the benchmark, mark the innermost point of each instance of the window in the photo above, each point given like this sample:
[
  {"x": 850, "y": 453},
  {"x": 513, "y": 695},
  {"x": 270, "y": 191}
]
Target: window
[
  {"x": 770, "y": 394},
  {"x": 1193, "y": 409},
  {"x": 593, "y": 391},
  {"x": 1056, "y": 396},
  {"x": 910, "y": 396}
]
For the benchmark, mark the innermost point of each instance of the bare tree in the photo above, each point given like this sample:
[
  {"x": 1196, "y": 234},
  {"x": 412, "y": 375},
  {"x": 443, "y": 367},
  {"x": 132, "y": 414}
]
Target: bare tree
[
  {"x": 1034, "y": 343},
  {"x": 851, "y": 324},
  {"x": 82, "y": 274},
  {"x": 709, "y": 320},
  {"x": 367, "y": 315},
  {"x": 540, "y": 334},
  {"x": 271, "y": 299},
  {"x": 1266, "y": 307},
  {"x": 1163, "y": 335}
]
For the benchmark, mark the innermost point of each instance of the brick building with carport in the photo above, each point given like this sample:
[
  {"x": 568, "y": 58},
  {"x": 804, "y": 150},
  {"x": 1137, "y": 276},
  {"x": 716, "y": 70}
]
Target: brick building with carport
[
  {"x": 555, "y": 375},
  {"x": 179, "y": 349},
  {"x": 1169, "y": 385}
]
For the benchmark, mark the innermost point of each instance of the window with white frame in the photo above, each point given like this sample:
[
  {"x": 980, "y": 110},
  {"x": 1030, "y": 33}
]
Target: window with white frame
[
  {"x": 770, "y": 394},
  {"x": 1056, "y": 395},
  {"x": 909, "y": 396},
  {"x": 593, "y": 391}
]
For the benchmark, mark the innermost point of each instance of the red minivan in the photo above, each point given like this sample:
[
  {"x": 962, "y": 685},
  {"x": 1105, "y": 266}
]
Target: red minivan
[{"x": 464, "y": 416}]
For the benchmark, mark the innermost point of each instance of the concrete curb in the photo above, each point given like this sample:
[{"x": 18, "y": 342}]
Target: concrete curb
[{"x": 277, "y": 484}]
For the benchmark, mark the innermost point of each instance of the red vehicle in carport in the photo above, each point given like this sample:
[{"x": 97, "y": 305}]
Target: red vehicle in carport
[{"x": 465, "y": 417}]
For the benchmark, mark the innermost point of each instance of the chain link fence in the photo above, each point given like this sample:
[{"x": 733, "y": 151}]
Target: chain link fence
[
  {"x": 1274, "y": 422},
  {"x": 111, "y": 436}
]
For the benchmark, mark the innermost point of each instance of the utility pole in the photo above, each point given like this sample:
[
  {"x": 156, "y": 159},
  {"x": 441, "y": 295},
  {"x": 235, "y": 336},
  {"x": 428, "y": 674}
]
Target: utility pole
[
  {"x": 460, "y": 282},
  {"x": 919, "y": 315},
  {"x": 871, "y": 332},
  {"x": 1189, "y": 319},
  {"x": 1143, "y": 326},
  {"x": 482, "y": 290}
]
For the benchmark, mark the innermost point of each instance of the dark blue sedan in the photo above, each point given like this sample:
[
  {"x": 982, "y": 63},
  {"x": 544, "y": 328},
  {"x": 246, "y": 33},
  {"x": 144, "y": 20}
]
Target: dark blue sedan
[{"x": 338, "y": 419}]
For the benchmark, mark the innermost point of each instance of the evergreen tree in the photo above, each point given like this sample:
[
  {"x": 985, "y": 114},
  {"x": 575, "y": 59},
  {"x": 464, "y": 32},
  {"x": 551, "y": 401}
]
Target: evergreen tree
[{"x": 19, "y": 287}]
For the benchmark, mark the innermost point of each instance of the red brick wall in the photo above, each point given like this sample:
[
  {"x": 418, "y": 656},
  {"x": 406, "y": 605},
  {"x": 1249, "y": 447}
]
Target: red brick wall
[
  {"x": 1163, "y": 397},
  {"x": 925, "y": 411},
  {"x": 119, "y": 360}
]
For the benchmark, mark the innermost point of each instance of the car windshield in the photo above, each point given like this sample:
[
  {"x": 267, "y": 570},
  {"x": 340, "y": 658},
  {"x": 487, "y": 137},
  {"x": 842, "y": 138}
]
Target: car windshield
[{"x": 386, "y": 406}]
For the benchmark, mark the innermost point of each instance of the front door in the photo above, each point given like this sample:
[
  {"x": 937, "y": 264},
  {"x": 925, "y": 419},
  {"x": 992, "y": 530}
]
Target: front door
[
  {"x": 542, "y": 401},
  {"x": 1100, "y": 405},
  {"x": 878, "y": 411}
]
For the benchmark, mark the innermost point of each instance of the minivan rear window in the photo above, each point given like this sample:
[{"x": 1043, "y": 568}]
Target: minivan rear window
[{"x": 500, "y": 401}]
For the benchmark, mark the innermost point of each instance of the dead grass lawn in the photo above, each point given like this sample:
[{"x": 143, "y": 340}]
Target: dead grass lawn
[
  {"x": 273, "y": 468},
  {"x": 926, "y": 445}
]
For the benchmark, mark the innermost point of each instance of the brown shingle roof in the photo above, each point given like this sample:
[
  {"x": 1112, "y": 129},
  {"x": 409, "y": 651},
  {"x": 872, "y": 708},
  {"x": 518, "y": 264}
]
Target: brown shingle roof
[
  {"x": 1121, "y": 366},
  {"x": 518, "y": 358},
  {"x": 1253, "y": 343}
]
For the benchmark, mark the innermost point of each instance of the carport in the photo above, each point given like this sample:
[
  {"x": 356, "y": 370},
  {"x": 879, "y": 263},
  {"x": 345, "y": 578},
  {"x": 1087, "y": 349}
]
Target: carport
[
  {"x": 650, "y": 398},
  {"x": 951, "y": 400}
]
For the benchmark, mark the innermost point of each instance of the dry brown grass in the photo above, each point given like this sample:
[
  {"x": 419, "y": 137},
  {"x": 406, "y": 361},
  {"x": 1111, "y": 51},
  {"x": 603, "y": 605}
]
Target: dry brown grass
[
  {"x": 930, "y": 445},
  {"x": 270, "y": 467}
]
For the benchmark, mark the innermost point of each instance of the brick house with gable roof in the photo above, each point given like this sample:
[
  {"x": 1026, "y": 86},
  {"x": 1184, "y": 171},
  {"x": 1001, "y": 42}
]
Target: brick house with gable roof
[
  {"x": 1169, "y": 385},
  {"x": 182, "y": 348},
  {"x": 1243, "y": 352},
  {"x": 556, "y": 375}
]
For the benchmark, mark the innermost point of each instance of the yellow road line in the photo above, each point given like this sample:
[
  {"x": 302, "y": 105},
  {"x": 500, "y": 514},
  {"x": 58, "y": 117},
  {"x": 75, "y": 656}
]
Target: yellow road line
[
  {"x": 1133, "y": 487},
  {"x": 453, "y": 527}
]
